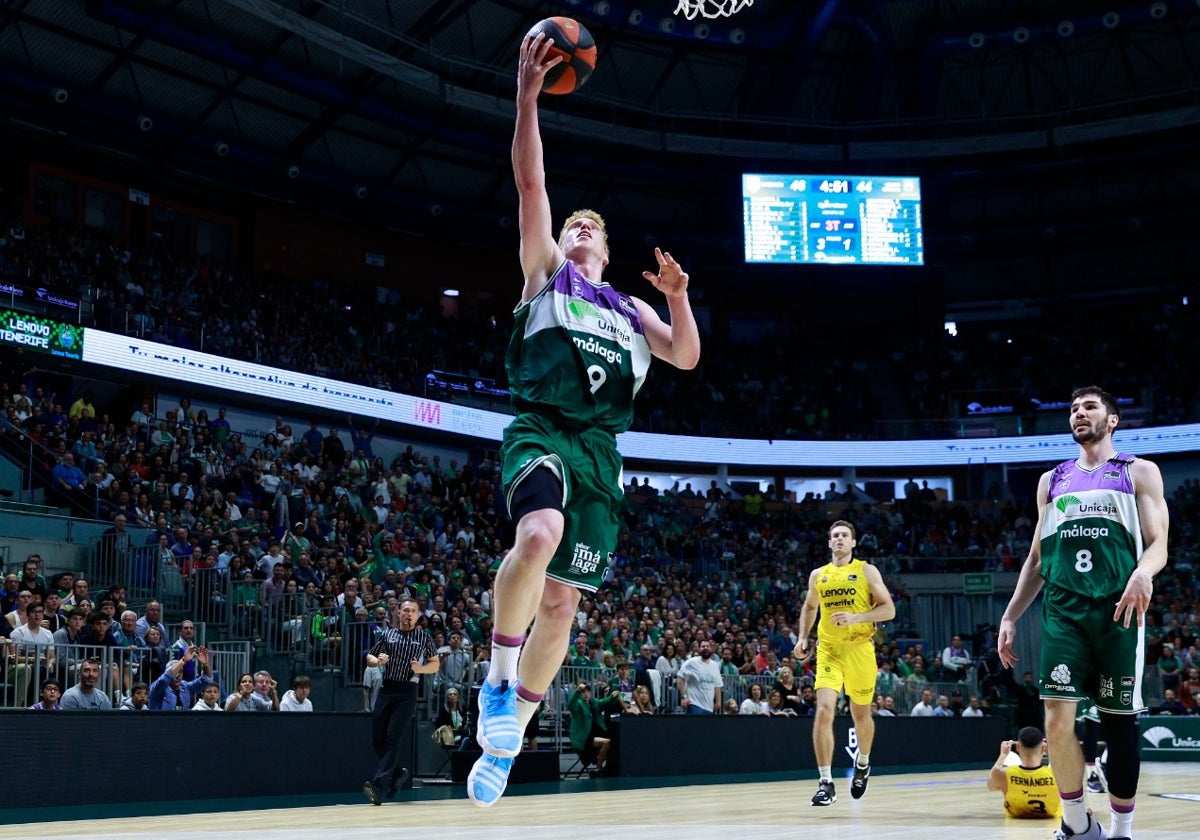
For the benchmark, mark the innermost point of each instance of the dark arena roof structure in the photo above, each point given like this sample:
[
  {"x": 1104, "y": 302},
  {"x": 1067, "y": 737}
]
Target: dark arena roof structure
[{"x": 1058, "y": 141}]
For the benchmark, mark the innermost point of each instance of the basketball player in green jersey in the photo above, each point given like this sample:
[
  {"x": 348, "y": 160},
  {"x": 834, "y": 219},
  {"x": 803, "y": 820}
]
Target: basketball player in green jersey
[
  {"x": 850, "y": 597},
  {"x": 1101, "y": 537},
  {"x": 579, "y": 353}
]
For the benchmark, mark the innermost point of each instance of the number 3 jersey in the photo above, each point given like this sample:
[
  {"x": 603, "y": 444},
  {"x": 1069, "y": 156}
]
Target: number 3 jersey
[
  {"x": 578, "y": 354},
  {"x": 1091, "y": 534},
  {"x": 1032, "y": 793}
]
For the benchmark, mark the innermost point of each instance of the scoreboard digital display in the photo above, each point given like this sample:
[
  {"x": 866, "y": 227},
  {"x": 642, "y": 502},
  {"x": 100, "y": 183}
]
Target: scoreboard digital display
[{"x": 857, "y": 219}]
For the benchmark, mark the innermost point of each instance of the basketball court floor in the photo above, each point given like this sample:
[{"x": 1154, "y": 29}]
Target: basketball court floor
[{"x": 930, "y": 806}]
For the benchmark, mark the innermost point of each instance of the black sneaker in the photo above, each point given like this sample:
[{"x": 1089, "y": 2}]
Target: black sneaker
[
  {"x": 858, "y": 785},
  {"x": 398, "y": 782},
  {"x": 1094, "y": 785},
  {"x": 372, "y": 793},
  {"x": 1092, "y": 832},
  {"x": 825, "y": 794}
]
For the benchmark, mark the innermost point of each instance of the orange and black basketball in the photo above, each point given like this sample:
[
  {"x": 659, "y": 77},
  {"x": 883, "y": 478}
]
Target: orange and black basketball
[{"x": 577, "y": 48}]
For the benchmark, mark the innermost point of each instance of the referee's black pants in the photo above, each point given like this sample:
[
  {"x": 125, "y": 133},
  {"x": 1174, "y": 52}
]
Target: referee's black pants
[{"x": 391, "y": 722}]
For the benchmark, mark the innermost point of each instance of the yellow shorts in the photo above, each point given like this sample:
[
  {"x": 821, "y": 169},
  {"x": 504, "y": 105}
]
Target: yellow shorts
[{"x": 850, "y": 665}]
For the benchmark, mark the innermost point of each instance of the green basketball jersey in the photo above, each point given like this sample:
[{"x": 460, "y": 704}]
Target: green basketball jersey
[
  {"x": 578, "y": 354},
  {"x": 1091, "y": 534}
]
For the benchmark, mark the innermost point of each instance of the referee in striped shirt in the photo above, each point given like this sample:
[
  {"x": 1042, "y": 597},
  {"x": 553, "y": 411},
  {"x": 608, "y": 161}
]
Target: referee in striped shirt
[{"x": 405, "y": 651}]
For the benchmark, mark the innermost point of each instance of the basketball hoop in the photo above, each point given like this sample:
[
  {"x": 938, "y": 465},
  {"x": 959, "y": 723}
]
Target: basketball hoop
[{"x": 691, "y": 9}]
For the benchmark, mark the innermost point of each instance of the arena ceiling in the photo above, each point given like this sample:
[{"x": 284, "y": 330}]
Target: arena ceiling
[{"x": 405, "y": 106}]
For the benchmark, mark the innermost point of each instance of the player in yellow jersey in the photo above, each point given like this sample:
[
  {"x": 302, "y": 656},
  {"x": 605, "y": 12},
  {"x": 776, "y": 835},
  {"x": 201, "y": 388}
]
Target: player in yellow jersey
[
  {"x": 850, "y": 597},
  {"x": 1029, "y": 787}
]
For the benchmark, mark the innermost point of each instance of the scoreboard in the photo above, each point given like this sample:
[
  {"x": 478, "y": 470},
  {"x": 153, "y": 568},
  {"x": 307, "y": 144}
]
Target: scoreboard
[{"x": 864, "y": 220}]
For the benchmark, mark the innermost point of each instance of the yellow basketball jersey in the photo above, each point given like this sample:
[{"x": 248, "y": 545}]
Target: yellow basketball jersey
[
  {"x": 1032, "y": 794},
  {"x": 843, "y": 589}
]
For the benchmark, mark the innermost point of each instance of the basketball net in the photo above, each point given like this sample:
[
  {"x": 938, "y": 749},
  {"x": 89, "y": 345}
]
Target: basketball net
[{"x": 690, "y": 9}]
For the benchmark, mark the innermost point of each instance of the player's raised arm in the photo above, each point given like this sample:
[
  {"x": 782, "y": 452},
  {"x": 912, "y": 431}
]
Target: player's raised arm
[{"x": 539, "y": 253}]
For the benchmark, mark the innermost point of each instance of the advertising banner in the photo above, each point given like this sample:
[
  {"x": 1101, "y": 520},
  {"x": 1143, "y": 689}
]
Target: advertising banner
[
  {"x": 1169, "y": 738},
  {"x": 18, "y": 329}
]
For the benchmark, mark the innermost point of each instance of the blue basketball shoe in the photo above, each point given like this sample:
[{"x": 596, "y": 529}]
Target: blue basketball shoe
[
  {"x": 488, "y": 779},
  {"x": 499, "y": 733}
]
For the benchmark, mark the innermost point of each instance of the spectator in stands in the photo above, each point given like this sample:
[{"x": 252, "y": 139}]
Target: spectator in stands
[
  {"x": 924, "y": 707},
  {"x": 83, "y": 411},
  {"x": 84, "y": 696},
  {"x": 31, "y": 577},
  {"x": 955, "y": 658},
  {"x": 267, "y": 690},
  {"x": 16, "y": 616},
  {"x": 295, "y": 699},
  {"x": 31, "y": 654},
  {"x": 68, "y": 477},
  {"x": 1170, "y": 704},
  {"x": 157, "y": 657},
  {"x": 699, "y": 682},
  {"x": 244, "y": 699},
  {"x": 49, "y": 698},
  {"x": 776, "y": 706},
  {"x": 54, "y": 618},
  {"x": 788, "y": 688},
  {"x": 152, "y": 618},
  {"x": 643, "y": 702},
  {"x": 942, "y": 709},
  {"x": 1189, "y": 689},
  {"x": 210, "y": 699},
  {"x": 171, "y": 693},
  {"x": 138, "y": 699},
  {"x": 451, "y": 715},
  {"x": 1169, "y": 666},
  {"x": 187, "y": 639},
  {"x": 10, "y": 595},
  {"x": 755, "y": 703},
  {"x": 668, "y": 664},
  {"x": 132, "y": 646}
]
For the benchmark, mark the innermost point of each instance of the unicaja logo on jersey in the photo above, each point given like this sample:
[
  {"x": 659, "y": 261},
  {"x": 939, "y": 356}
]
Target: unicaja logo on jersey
[
  {"x": 585, "y": 313},
  {"x": 1065, "y": 502}
]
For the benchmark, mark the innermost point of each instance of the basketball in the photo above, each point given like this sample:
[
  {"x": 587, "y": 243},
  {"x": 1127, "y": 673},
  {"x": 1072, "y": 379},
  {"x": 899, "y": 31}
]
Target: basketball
[{"x": 577, "y": 48}]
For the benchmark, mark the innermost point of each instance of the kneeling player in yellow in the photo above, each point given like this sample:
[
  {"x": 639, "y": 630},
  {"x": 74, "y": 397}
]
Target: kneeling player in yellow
[
  {"x": 1029, "y": 788},
  {"x": 851, "y": 597}
]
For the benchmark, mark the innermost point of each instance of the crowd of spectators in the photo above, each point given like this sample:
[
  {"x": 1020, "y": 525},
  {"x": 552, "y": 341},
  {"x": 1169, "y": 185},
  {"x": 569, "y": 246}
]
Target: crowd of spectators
[
  {"x": 779, "y": 386},
  {"x": 315, "y": 514},
  {"x": 318, "y": 516}
]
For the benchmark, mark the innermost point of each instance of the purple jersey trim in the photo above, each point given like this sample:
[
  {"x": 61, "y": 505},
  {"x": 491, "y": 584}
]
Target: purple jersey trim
[
  {"x": 568, "y": 281},
  {"x": 1112, "y": 475}
]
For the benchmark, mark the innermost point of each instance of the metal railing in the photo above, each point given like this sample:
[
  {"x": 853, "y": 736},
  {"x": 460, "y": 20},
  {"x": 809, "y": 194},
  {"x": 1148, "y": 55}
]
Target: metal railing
[{"x": 27, "y": 665}]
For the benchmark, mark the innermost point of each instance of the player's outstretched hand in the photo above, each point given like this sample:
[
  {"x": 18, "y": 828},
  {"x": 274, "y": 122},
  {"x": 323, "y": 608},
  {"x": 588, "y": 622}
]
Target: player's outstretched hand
[
  {"x": 535, "y": 62},
  {"x": 671, "y": 279}
]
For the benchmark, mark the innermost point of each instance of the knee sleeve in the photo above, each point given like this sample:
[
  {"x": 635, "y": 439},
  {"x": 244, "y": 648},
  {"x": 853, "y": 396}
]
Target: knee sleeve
[
  {"x": 540, "y": 490},
  {"x": 1124, "y": 764}
]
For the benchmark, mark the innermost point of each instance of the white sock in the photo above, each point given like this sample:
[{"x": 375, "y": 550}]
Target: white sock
[
  {"x": 1120, "y": 825},
  {"x": 1075, "y": 816},
  {"x": 864, "y": 759},
  {"x": 504, "y": 664},
  {"x": 526, "y": 709},
  {"x": 825, "y": 771}
]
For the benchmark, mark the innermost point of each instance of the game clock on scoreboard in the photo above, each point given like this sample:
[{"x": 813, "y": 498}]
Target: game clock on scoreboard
[{"x": 832, "y": 219}]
